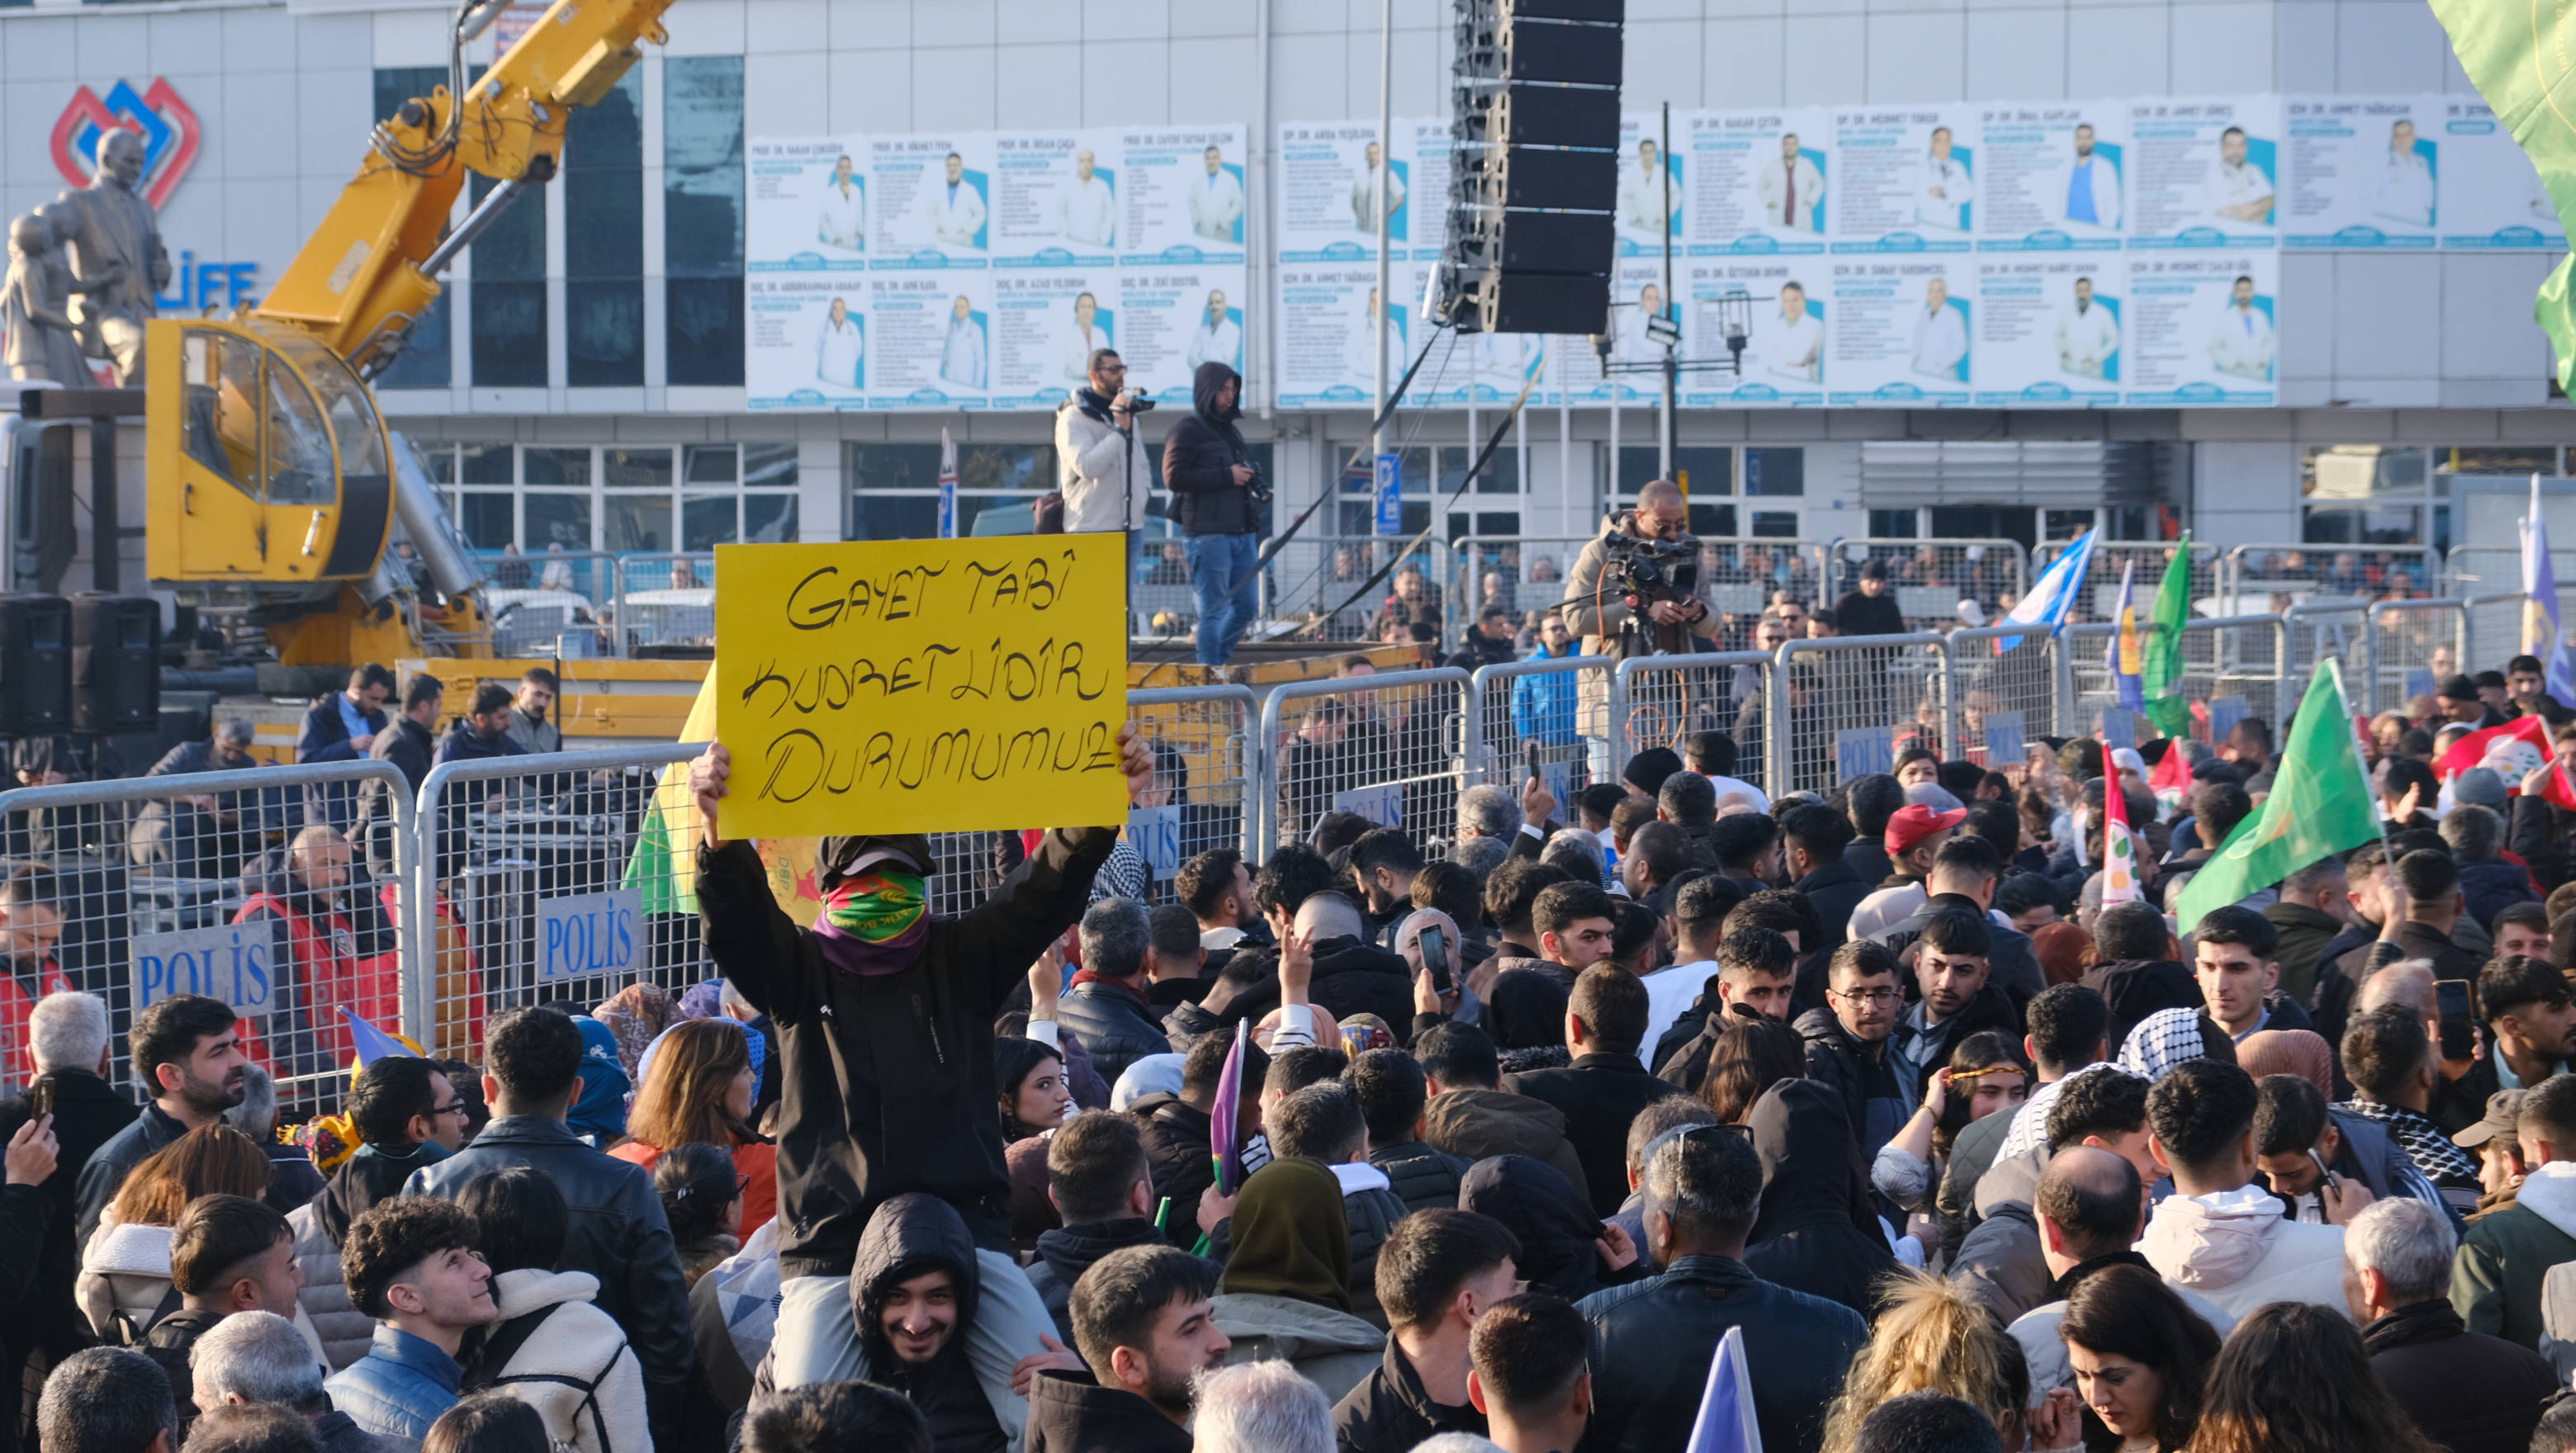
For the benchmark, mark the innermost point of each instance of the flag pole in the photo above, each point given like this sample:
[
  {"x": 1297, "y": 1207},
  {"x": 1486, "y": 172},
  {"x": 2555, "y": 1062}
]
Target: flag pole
[{"x": 2360, "y": 750}]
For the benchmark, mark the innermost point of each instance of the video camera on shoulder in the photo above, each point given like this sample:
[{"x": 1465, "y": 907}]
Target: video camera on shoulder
[{"x": 1645, "y": 570}]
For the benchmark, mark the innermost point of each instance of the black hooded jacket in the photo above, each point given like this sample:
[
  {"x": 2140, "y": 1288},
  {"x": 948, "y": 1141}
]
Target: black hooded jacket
[
  {"x": 1551, "y": 1217},
  {"x": 1809, "y": 1234},
  {"x": 1070, "y": 1412},
  {"x": 1352, "y": 976},
  {"x": 1066, "y": 1252},
  {"x": 1199, "y": 456},
  {"x": 909, "y": 1235}
]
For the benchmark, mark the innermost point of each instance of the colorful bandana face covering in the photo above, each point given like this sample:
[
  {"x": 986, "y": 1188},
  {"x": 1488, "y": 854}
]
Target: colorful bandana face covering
[{"x": 874, "y": 921}]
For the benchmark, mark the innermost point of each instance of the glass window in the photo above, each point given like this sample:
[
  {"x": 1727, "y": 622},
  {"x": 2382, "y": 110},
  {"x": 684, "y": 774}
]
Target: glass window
[
  {"x": 297, "y": 446},
  {"x": 604, "y": 332},
  {"x": 2377, "y": 525},
  {"x": 1707, "y": 471},
  {"x": 710, "y": 463},
  {"x": 635, "y": 468},
  {"x": 2361, "y": 471},
  {"x": 508, "y": 332},
  {"x": 1712, "y": 521},
  {"x": 769, "y": 519},
  {"x": 220, "y": 375},
  {"x": 487, "y": 464},
  {"x": 557, "y": 519},
  {"x": 2496, "y": 459},
  {"x": 1775, "y": 524},
  {"x": 488, "y": 520},
  {"x": 1775, "y": 471},
  {"x": 1892, "y": 524},
  {"x": 425, "y": 361},
  {"x": 702, "y": 203},
  {"x": 603, "y": 185},
  {"x": 556, "y": 466},
  {"x": 636, "y": 523},
  {"x": 438, "y": 461},
  {"x": 708, "y": 521},
  {"x": 906, "y": 516},
  {"x": 774, "y": 465}
]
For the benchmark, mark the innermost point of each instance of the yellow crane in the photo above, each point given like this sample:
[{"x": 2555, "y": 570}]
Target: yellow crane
[{"x": 271, "y": 479}]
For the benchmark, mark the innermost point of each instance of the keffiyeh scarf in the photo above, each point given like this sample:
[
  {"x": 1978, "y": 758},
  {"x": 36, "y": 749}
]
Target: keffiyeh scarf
[
  {"x": 2442, "y": 1162},
  {"x": 2029, "y": 1130}
]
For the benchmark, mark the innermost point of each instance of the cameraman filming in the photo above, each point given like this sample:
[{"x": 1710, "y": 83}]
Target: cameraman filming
[
  {"x": 1095, "y": 446},
  {"x": 1596, "y": 601},
  {"x": 1217, "y": 497}
]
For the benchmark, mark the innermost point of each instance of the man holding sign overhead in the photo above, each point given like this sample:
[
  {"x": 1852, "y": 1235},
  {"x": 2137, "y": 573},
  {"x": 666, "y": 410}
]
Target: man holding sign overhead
[{"x": 885, "y": 1015}]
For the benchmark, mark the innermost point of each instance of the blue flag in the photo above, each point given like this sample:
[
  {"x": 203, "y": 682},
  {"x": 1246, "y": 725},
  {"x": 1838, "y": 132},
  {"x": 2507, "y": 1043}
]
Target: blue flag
[
  {"x": 1725, "y": 1423},
  {"x": 2053, "y": 594},
  {"x": 373, "y": 1044}
]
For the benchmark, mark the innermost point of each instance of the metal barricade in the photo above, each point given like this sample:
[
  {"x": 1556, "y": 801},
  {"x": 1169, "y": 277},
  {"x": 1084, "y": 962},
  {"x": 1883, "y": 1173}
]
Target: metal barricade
[
  {"x": 2494, "y": 631},
  {"x": 1658, "y": 701},
  {"x": 1393, "y": 747},
  {"x": 1522, "y": 572},
  {"x": 1313, "y": 580},
  {"x": 1930, "y": 577},
  {"x": 664, "y": 601},
  {"x": 1541, "y": 702},
  {"x": 2414, "y": 645},
  {"x": 2111, "y": 557},
  {"x": 2000, "y": 676},
  {"x": 1846, "y": 702},
  {"x": 1161, "y": 603},
  {"x": 1737, "y": 574},
  {"x": 242, "y": 885},
  {"x": 2261, "y": 570},
  {"x": 535, "y": 599},
  {"x": 2313, "y": 631},
  {"x": 1207, "y": 763},
  {"x": 2239, "y": 656}
]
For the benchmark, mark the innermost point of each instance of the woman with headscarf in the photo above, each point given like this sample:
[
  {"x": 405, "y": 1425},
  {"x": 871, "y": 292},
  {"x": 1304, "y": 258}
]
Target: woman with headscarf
[
  {"x": 2300, "y": 1052},
  {"x": 1285, "y": 1292},
  {"x": 600, "y": 1113},
  {"x": 1815, "y": 1232},
  {"x": 1565, "y": 1248},
  {"x": 637, "y": 1014}
]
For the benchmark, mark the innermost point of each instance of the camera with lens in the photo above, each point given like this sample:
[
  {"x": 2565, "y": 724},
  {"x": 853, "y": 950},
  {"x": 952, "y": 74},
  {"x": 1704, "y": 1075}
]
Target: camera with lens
[
  {"x": 1139, "y": 401},
  {"x": 1644, "y": 570},
  {"x": 1258, "y": 488}
]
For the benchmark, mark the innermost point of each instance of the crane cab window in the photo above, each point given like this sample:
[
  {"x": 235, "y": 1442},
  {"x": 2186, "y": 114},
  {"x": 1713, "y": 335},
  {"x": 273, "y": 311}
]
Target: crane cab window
[
  {"x": 222, "y": 393},
  {"x": 299, "y": 446}
]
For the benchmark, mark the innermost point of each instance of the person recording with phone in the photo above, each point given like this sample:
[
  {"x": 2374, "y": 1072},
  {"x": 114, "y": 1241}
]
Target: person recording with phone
[
  {"x": 1095, "y": 446},
  {"x": 1217, "y": 495}
]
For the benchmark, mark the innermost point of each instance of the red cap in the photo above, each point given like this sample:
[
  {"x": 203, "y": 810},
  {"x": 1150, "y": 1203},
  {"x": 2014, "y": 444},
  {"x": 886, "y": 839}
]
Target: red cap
[{"x": 1914, "y": 822}]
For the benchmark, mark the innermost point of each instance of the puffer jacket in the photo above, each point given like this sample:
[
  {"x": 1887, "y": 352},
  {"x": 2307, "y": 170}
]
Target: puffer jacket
[
  {"x": 1422, "y": 1175},
  {"x": 1543, "y": 705},
  {"x": 889, "y": 1077},
  {"x": 911, "y": 1234},
  {"x": 1066, "y": 1252},
  {"x": 1178, "y": 1144},
  {"x": 566, "y": 1358},
  {"x": 1333, "y": 1350},
  {"x": 319, "y": 1226},
  {"x": 2236, "y": 1248},
  {"x": 1103, "y": 471},
  {"x": 1114, "y": 1024},
  {"x": 399, "y": 1388},
  {"x": 1199, "y": 456},
  {"x": 2492, "y": 885}
]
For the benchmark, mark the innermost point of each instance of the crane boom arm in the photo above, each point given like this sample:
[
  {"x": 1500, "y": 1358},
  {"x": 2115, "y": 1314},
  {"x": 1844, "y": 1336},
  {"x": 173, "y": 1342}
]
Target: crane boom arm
[{"x": 368, "y": 272}]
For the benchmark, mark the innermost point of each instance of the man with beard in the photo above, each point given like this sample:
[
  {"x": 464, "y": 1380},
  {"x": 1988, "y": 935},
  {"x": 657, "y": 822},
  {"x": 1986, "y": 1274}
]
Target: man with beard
[
  {"x": 913, "y": 1291},
  {"x": 528, "y": 725},
  {"x": 186, "y": 1047},
  {"x": 1144, "y": 1326},
  {"x": 329, "y": 946},
  {"x": 484, "y": 730}
]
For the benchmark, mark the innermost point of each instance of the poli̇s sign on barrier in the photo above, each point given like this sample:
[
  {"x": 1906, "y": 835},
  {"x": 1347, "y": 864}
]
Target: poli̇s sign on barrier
[
  {"x": 233, "y": 963},
  {"x": 588, "y": 934}
]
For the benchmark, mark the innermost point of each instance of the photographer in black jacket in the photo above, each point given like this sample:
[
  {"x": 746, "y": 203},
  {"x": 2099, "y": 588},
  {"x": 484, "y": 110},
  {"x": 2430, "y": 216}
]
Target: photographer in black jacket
[{"x": 1217, "y": 497}]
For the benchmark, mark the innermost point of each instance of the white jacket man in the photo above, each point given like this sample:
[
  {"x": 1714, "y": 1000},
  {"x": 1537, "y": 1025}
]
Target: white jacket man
[
  {"x": 1942, "y": 187},
  {"x": 2085, "y": 335},
  {"x": 1216, "y": 200},
  {"x": 2405, "y": 190},
  {"x": 1787, "y": 190},
  {"x": 1364, "y": 191},
  {"x": 1793, "y": 339},
  {"x": 1940, "y": 334},
  {"x": 838, "y": 349},
  {"x": 2087, "y": 189},
  {"x": 2238, "y": 1251},
  {"x": 1217, "y": 339},
  {"x": 1642, "y": 207},
  {"x": 961, "y": 356},
  {"x": 841, "y": 217},
  {"x": 2240, "y": 342},
  {"x": 1104, "y": 473}
]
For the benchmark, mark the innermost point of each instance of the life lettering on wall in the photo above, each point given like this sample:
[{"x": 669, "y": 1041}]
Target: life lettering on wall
[{"x": 922, "y": 686}]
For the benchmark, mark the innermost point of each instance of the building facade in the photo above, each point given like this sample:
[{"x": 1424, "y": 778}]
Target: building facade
[{"x": 582, "y": 385}]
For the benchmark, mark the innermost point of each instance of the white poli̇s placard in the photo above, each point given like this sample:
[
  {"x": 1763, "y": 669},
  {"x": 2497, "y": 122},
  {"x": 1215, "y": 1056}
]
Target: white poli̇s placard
[
  {"x": 233, "y": 963},
  {"x": 588, "y": 935}
]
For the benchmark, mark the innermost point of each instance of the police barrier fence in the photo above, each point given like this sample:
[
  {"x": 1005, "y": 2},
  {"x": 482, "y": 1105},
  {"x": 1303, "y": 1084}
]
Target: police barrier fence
[
  {"x": 2237, "y": 664},
  {"x": 2413, "y": 646},
  {"x": 2006, "y": 689},
  {"x": 1929, "y": 578},
  {"x": 1394, "y": 747},
  {"x": 1663, "y": 700},
  {"x": 1850, "y": 703},
  {"x": 1536, "y": 705},
  {"x": 2331, "y": 572}
]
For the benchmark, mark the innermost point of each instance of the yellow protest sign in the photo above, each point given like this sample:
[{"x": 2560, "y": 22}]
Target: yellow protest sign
[{"x": 922, "y": 685}]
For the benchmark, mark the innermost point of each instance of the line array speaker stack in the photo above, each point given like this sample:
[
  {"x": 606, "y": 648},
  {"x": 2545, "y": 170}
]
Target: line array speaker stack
[{"x": 1535, "y": 108}]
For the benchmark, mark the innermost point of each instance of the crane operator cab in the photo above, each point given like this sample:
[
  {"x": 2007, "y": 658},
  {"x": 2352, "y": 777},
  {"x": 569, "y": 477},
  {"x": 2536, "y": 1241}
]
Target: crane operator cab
[{"x": 267, "y": 459}]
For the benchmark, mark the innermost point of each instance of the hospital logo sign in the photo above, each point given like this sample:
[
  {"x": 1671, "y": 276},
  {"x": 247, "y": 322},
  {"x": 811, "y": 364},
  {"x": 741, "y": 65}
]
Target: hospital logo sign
[{"x": 168, "y": 125}]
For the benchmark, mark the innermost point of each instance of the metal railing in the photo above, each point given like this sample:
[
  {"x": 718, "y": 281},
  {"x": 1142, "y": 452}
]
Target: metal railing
[
  {"x": 2331, "y": 571},
  {"x": 225, "y": 883},
  {"x": 2005, "y": 683},
  {"x": 2413, "y": 646},
  {"x": 1849, "y": 702},
  {"x": 1393, "y": 747},
  {"x": 1930, "y": 577},
  {"x": 2110, "y": 557},
  {"x": 2234, "y": 657},
  {"x": 1661, "y": 700},
  {"x": 2340, "y": 628},
  {"x": 2494, "y": 629},
  {"x": 663, "y": 601},
  {"x": 1538, "y": 702}
]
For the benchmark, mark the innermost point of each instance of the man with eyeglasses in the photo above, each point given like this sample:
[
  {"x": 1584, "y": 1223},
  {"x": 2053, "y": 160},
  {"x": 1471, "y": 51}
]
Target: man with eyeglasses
[
  {"x": 406, "y": 1115},
  {"x": 1847, "y": 1043},
  {"x": 1103, "y": 484}
]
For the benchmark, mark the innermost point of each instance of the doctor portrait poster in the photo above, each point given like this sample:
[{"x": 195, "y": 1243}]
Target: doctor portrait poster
[
  {"x": 2048, "y": 329},
  {"x": 1760, "y": 181},
  {"x": 1423, "y": 149},
  {"x": 931, "y": 339},
  {"x": 1907, "y": 179},
  {"x": 2490, "y": 197},
  {"x": 2362, "y": 171},
  {"x": 1651, "y": 199},
  {"x": 805, "y": 346},
  {"x": 1175, "y": 318},
  {"x": 1327, "y": 336},
  {"x": 807, "y": 204},
  {"x": 933, "y": 200},
  {"x": 1328, "y": 175},
  {"x": 2204, "y": 173},
  {"x": 2052, "y": 176},
  {"x": 1901, "y": 331},
  {"x": 1055, "y": 199},
  {"x": 2202, "y": 329},
  {"x": 1783, "y": 309},
  {"x": 1185, "y": 197},
  {"x": 1046, "y": 322}
]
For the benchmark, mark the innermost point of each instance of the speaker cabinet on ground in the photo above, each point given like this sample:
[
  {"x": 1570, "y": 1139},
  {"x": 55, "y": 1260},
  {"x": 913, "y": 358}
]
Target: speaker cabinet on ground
[
  {"x": 35, "y": 665},
  {"x": 116, "y": 663}
]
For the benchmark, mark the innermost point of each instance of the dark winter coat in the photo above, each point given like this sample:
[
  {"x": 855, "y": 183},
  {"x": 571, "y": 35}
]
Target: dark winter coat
[
  {"x": 911, "y": 1234},
  {"x": 2492, "y": 885},
  {"x": 1351, "y": 977},
  {"x": 1599, "y": 1095},
  {"x": 1810, "y": 1234},
  {"x": 2137, "y": 988},
  {"x": 1652, "y": 1343},
  {"x": 1872, "y": 1086},
  {"x": 2304, "y": 932},
  {"x": 1422, "y": 1176},
  {"x": 1834, "y": 890},
  {"x": 1473, "y": 1124},
  {"x": 1199, "y": 456},
  {"x": 2015, "y": 968},
  {"x": 1547, "y": 1214},
  {"x": 88, "y": 1112},
  {"x": 1858, "y": 614},
  {"x": 1177, "y": 1146},
  {"x": 888, "y": 1078},
  {"x": 1390, "y": 1413},
  {"x": 2469, "y": 1392},
  {"x": 1114, "y": 1024},
  {"x": 412, "y": 748},
  {"x": 1066, "y": 1252},
  {"x": 1070, "y": 1412}
]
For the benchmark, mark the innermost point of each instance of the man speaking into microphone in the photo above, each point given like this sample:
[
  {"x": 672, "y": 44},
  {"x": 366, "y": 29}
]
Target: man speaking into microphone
[{"x": 1217, "y": 496}]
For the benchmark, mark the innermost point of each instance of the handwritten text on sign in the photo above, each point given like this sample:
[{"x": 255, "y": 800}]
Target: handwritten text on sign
[{"x": 922, "y": 685}]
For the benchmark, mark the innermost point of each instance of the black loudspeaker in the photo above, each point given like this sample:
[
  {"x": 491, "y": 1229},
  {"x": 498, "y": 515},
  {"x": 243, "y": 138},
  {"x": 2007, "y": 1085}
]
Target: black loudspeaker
[
  {"x": 35, "y": 665},
  {"x": 116, "y": 663},
  {"x": 1535, "y": 174}
]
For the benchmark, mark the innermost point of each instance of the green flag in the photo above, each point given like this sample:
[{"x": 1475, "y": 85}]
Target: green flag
[
  {"x": 2519, "y": 59},
  {"x": 2320, "y": 805},
  {"x": 2160, "y": 682}
]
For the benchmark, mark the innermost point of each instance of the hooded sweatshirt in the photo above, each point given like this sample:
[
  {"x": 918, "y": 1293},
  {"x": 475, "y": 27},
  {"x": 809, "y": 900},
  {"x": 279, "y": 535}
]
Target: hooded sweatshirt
[
  {"x": 909, "y": 1235},
  {"x": 1473, "y": 1124},
  {"x": 1199, "y": 456},
  {"x": 1548, "y": 1214},
  {"x": 2236, "y": 1249},
  {"x": 1812, "y": 1232}
]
